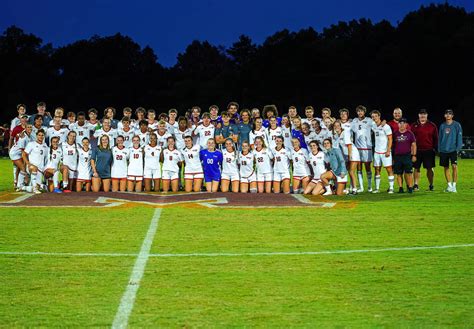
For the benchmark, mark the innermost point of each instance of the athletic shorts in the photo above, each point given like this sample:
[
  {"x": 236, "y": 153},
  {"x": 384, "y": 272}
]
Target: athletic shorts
[
  {"x": 280, "y": 176},
  {"x": 133, "y": 178},
  {"x": 340, "y": 179},
  {"x": 152, "y": 173},
  {"x": 83, "y": 176},
  {"x": 252, "y": 178},
  {"x": 444, "y": 159},
  {"x": 300, "y": 177},
  {"x": 355, "y": 156},
  {"x": 402, "y": 164},
  {"x": 261, "y": 178},
  {"x": 118, "y": 173},
  {"x": 381, "y": 160},
  {"x": 427, "y": 158},
  {"x": 15, "y": 154},
  {"x": 212, "y": 177},
  {"x": 365, "y": 155},
  {"x": 231, "y": 177},
  {"x": 170, "y": 175},
  {"x": 191, "y": 176}
]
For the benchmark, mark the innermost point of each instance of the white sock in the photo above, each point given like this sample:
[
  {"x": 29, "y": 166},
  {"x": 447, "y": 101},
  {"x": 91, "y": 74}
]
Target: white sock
[
  {"x": 56, "y": 179},
  {"x": 21, "y": 179},
  {"x": 450, "y": 184},
  {"x": 39, "y": 178},
  {"x": 369, "y": 179},
  {"x": 253, "y": 190},
  {"x": 377, "y": 182},
  {"x": 454, "y": 184},
  {"x": 361, "y": 182},
  {"x": 391, "y": 181},
  {"x": 15, "y": 168},
  {"x": 33, "y": 179},
  {"x": 65, "y": 183}
]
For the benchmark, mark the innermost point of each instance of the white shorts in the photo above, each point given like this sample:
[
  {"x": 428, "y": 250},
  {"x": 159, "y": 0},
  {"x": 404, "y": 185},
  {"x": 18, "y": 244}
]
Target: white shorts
[
  {"x": 355, "y": 156},
  {"x": 133, "y": 178},
  {"x": 152, "y": 173},
  {"x": 249, "y": 179},
  {"x": 342, "y": 180},
  {"x": 191, "y": 176},
  {"x": 365, "y": 155},
  {"x": 280, "y": 176},
  {"x": 134, "y": 172},
  {"x": 380, "y": 159},
  {"x": 118, "y": 173},
  {"x": 84, "y": 176},
  {"x": 15, "y": 154},
  {"x": 299, "y": 175},
  {"x": 170, "y": 175},
  {"x": 231, "y": 177},
  {"x": 268, "y": 177}
]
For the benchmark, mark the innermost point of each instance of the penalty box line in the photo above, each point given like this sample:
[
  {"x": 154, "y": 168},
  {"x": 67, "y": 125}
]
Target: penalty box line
[{"x": 219, "y": 254}]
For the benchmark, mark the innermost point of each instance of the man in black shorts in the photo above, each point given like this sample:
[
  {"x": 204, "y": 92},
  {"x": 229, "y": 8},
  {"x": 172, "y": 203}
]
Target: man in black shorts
[{"x": 404, "y": 155}]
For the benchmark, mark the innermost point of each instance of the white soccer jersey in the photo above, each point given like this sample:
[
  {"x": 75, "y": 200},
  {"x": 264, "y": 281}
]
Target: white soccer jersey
[
  {"x": 347, "y": 140},
  {"x": 152, "y": 157},
  {"x": 381, "y": 137},
  {"x": 172, "y": 127},
  {"x": 120, "y": 162},
  {"x": 15, "y": 122},
  {"x": 281, "y": 163},
  {"x": 204, "y": 133},
  {"x": 163, "y": 139},
  {"x": 229, "y": 163},
  {"x": 61, "y": 133},
  {"x": 37, "y": 154},
  {"x": 318, "y": 164},
  {"x": 84, "y": 169},
  {"x": 81, "y": 131},
  {"x": 179, "y": 135},
  {"x": 70, "y": 154},
  {"x": 271, "y": 135},
  {"x": 112, "y": 133},
  {"x": 246, "y": 164},
  {"x": 21, "y": 143},
  {"x": 171, "y": 160},
  {"x": 259, "y": 133},
  {"x": 127, "y": 136},
  {"x": 55, "y": 157},
  {"x": 310, "y": 137},
  {"x": 263, "y": 160},
  {"x": 135, "y": 163},
  {"x": 144, "y": 137},
  {"x": 347, "y": 124},
  {"x": 286, "y": 133},
  {"x": 300, "y": 160},
  {"x": 322, "y": 135},
  {"x": 362, "y": 130},
  {"x": 153, "y": 126},
  {"x": 64, "y": 123},
  {"x": 191, "y": 159}
]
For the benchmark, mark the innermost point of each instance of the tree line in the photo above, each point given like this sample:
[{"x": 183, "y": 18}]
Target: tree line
[{"x": 425, "y": 61}]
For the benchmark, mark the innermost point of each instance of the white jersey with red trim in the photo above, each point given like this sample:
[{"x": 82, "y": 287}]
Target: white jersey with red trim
[
  {"x": 179, "y": 135},
  {"x": 171, "y": 158},
  {"x": 82, "y": 131},
  {"x": 21, "y": 143},
  {"x": 204, "y": 134},
  {"x": 318, "y": 163},
  {"x": 300, "y": 160},
  {"x": 271, "y": 135},
  {"x": 144, "y": 137},
  {"x": 259, "y": 133},
  {"x": 120, "y": 162},
  {"x": 322, "y": 135},
  {"x": 61, "y": 133},
  {"x": 135, "y": 162},
  {"x": 246, "y": 164},
  {"x": 127, "y": 136},
  {"x": 152, "y": 157},
  {"x": 70, "y": 155},
  {"x": 163, "y": 139},
  {"x": 310, "y": 137},
  {"x": 281, "y": 160},
  {"x": 381, "y": 137},
  {"x": 229, "y": 162},
  {"x": 37, "y": 154},
  {"x": 55, "y": 157},
  {"x": 263, "y": 161},
  {"x": 84, "y": 164},
  {"x": 191, "y": 160},
  {"x": 362, "y": 129},
  {"x": 112, "y": 133}
]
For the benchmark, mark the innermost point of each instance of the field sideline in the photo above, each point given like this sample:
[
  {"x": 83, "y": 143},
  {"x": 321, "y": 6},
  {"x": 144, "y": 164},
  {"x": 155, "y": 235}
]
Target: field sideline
[{"x": 370, "y": 261}]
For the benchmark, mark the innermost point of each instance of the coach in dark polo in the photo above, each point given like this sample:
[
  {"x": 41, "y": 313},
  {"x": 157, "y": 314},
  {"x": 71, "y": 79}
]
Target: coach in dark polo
[{"x": 404, "y": 155}]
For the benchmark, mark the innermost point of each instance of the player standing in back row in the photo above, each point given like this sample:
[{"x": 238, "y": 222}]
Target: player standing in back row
[{"x": 362, "y": 128}]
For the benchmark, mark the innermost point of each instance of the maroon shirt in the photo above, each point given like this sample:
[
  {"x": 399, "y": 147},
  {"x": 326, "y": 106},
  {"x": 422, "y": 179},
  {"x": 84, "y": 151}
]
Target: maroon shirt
[
  {"x": 402, "y": 142},
  {"x": 426, "y": 135},
  {"x": 394, "y": 125}
]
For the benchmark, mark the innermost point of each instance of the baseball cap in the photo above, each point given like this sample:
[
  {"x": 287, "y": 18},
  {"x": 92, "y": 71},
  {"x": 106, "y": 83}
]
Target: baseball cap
[
  {"x": 423, "y": 111},
  {"x": 24, "y": 116},
  {"x": 403, "y": 120},
  {"x": 448, "y": 111}
]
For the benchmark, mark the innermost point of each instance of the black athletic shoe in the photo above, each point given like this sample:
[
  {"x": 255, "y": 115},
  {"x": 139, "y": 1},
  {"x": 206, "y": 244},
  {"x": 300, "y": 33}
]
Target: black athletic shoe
[
  {"x": 415, "y": 187},
  {"x": 400, "y": 190},
  {"x": 431, "y": 188},
  {"x": 410, "y": 190}
]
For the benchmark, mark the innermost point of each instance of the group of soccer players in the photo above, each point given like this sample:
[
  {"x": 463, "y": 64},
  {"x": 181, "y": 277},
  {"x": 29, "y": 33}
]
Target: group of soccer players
[{"x": 246, "y": 151}]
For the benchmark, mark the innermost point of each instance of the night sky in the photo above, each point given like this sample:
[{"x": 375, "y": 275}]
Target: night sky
[{"x": 169, "y": 26}]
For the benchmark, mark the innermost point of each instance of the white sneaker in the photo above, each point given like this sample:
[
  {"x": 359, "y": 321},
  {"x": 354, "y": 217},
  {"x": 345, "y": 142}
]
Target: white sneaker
[
  {"x": 328, "y": 191},
  {"x": 454, "y": 190},
  {"x": 375, "y": 191},
  {"x": 390, "y": 191},
  {"x": 36, "y": 191},
  {"x": 361, "y": 190},
  {"x": 346, "y": 192},
  {"x": 449, "y": 189},
  {"x": 370, "y": 190}
]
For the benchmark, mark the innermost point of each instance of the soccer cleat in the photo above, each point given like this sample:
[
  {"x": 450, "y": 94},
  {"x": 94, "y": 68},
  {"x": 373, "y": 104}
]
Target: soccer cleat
[
  {"x": 449, "y": 189},
  {"x": 390, "y": 191},
  {"x": 67, "y": 191},
  {"x": 400, "y": 190},
  {"x": 346, "y": 192},
  {"x": 375, "y": 191},
  {"x": 56, "y": 190},
  {"x": 431, "y": 188},
  {"x": 370, "y": 190},
  {"x": 454, "y": 190},
  {"x": 415, "y": 187}
]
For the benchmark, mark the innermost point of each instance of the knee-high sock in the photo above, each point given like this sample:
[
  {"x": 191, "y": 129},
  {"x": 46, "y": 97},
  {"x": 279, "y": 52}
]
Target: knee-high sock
[
  {"x": 56, "y": 179},
  {"x": 361, "y": 182},
  {"x": 33, "y": 179},
  {"x": 391, "y": 181},
  {"x": 377, "y": 182},
  {"x": 21, "y": 179},
  {"x": 369, "y": 179},
  {"x": 39, "y": 178}
]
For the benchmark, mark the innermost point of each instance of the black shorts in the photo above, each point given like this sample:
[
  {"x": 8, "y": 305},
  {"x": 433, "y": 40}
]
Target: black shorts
[
  {"x": 402, "y": 164},
  {"x": 427, "y": 158},
  {"x": 445, "y": 157}
]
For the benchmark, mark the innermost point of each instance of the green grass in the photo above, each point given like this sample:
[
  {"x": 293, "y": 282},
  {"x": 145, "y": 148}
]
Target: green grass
[{"x": 411, "y": 289}]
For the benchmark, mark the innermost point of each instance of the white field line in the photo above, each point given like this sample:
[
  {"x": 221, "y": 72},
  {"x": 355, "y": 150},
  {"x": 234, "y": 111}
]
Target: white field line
[
  {"x": 128, "y": 299},
  {"x": 277, "y": 253}
]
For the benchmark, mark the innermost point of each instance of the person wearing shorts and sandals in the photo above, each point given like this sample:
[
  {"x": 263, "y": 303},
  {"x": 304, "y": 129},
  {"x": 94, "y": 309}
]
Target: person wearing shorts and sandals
[
  {"x": 449, "y": 144},
  {"x": 404, "y": 155}
]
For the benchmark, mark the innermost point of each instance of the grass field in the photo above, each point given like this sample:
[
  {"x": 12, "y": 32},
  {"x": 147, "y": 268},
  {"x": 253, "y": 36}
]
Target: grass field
[{"x": 217, "y": 267}]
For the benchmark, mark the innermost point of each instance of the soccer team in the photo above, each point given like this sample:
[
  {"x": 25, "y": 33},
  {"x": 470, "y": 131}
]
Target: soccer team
[{"x": 246, "y": 151}]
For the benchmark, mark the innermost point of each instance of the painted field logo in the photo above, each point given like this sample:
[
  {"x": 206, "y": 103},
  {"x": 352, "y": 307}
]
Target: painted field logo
[{"x": 113, "y": 199}]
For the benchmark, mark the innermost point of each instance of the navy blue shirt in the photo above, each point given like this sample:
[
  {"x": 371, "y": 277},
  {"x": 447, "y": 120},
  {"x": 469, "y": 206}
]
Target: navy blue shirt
[{"x": 103, "y": 162}]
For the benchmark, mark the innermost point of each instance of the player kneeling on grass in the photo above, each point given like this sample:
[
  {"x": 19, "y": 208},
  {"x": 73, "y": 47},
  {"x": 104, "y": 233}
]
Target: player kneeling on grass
[
  {"x": 172, "y": 160},
  {"x": 246, "y": 163},
  {"x": 35, "y": 157},
  {"x": 152, "y": 172},
  {"x": 383, "y": 151},
  {"x": 230, "y": 170},
  {"x": 51, "y": 172},
  {"x": 84, "y": 169},
  {"x": 299, "y": 159},
  {"x": 135, "y": 166},
  {"x": 120, "y": 154},
  {"x": 101, "y": 162},
  {"x": 69, "y": 167},
  {"x": 193, "y": 174},
  {"x": 263, "y": 165},
  {"x": 281, "y": 167},
  {"x": 338, "y": 172},
  {"x": 211, "y": 160},
  {"x": 317, "y": 161}
]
